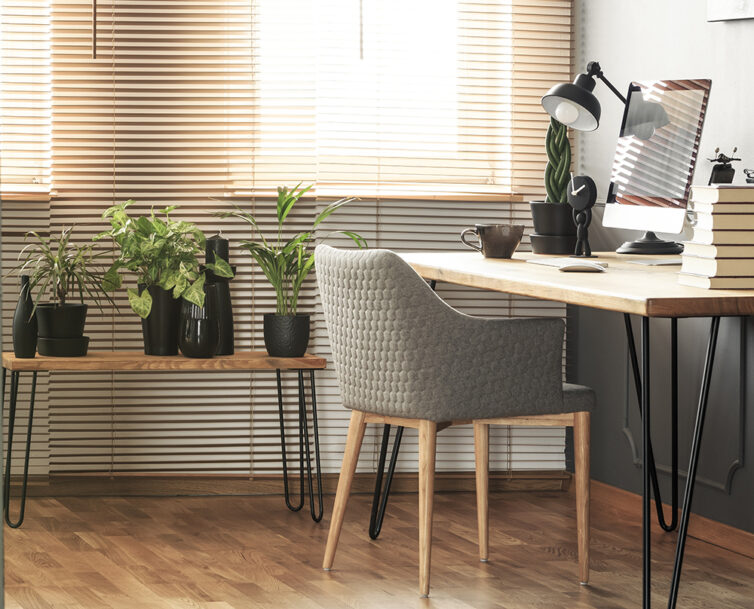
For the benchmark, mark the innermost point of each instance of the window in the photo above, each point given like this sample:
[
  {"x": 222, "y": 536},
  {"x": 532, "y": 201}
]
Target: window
[{"x": 24, "y": 96}]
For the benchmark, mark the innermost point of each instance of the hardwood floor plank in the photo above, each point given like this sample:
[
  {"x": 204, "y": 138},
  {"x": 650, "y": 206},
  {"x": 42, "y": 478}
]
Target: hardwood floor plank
[{"x": 252, "y": 553}]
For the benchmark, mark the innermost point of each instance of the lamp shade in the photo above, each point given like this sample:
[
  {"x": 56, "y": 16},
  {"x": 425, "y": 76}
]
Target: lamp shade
[{"x": 573, "y": 105}]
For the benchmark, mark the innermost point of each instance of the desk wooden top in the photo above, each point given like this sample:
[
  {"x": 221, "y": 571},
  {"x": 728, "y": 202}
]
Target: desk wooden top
[
  {"x": 651, "y": 291},
  {"x": 137, "y": 361}
]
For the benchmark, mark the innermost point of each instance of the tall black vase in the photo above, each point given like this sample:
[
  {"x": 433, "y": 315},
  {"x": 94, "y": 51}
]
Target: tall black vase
[
  {"x": 160, "y": 328},
  {"x": 25, "y": 323}
]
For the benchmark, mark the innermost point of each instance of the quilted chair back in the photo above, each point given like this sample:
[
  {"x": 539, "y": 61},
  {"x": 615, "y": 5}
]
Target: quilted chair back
[{"x": 399, "y": 350}]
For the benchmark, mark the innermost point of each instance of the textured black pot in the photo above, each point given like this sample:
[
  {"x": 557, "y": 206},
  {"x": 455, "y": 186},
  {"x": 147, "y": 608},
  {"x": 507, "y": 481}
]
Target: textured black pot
[
  {"x": 554, "y": 229},
  {"x": 160, "y": 328},
  {"x": 286, "y": 335},
  {"x": 25, "y": 323},
  {"x": 61, "y": 321},
  {"x": 198, "y": 328}
]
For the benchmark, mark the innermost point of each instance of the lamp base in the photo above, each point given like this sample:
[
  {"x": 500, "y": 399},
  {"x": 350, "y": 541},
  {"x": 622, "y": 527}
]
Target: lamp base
[{"x": 651, "y": 245}]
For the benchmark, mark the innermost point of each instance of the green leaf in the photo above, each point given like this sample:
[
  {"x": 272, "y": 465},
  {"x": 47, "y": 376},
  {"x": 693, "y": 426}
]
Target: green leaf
[
  {"x": 140, "y": 303},
  {"x": 331, "y": 208},
  {"x": 181, "y": 283},
  {"x": 195, "y": 292},
  {"x": 220, "y": 268},
  {"x": 111, "y": 280}
]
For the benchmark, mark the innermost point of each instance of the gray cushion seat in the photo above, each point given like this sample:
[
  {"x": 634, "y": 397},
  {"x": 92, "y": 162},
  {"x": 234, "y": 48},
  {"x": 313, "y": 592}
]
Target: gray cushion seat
[{"x": 577, "y": 398}]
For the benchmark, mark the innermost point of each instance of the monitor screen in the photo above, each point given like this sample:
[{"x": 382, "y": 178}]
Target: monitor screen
[{"x": 658, "y": 143}]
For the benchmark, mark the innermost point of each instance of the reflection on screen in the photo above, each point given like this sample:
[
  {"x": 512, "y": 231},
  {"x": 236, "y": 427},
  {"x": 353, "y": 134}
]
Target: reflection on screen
[{"x": 659, "y": 141}]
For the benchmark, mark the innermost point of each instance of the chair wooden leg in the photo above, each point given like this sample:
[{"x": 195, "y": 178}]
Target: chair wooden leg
[
  {"x": 427, "y": 448},
  {"x": 482, "y": 455},
  {"x": 581, "y": 428},
  {"x": 350, "y": 459}
]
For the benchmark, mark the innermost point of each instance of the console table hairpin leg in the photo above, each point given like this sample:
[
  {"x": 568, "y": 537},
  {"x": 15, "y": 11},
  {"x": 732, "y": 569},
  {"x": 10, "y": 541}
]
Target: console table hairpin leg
[
  {"x": 14, "y": 383},
  {"x": 303, "y": 447}
]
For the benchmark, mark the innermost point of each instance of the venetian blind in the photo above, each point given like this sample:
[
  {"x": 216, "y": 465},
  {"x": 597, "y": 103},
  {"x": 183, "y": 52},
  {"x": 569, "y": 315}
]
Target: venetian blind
[
  {"x": 207, "y": 103},
  {"x": 25, "y": 96}
]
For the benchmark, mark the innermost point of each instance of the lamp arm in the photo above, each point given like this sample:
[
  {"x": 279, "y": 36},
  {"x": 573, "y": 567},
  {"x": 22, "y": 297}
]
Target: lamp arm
[{"x": 594, "y": 69}]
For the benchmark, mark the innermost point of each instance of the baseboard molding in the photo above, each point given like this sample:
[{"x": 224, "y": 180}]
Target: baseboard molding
[
  {"x": 628, "y": 505},
  {"x": 202, "y": 485}
]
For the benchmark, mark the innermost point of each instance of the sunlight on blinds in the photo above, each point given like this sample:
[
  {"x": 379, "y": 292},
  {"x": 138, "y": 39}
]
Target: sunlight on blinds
[{"x": 25, "y": 95}]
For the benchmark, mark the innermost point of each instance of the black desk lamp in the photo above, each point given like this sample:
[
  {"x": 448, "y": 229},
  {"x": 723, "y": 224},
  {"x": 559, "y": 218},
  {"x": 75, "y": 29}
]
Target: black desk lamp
[{"x": 574, "y": 105}]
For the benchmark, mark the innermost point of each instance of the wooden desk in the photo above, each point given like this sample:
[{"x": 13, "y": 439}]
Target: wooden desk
[
  {"x": 136, "y": 361},
  {"x": 651, "y": 291},
  {"x": 629, "y": 289}
]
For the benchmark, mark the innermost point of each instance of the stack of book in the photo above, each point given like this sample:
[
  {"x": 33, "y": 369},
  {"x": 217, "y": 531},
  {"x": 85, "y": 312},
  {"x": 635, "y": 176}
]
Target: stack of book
[{"x": 721, "y": 252}]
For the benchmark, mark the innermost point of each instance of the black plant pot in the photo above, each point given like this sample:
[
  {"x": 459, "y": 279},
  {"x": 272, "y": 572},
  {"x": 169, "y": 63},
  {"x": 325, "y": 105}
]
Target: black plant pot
[
  {"x": 198, "y": 332},
  {"x": 286, "y": 335},
  {"x": 61, "y": 321},
  {"x": 554, "y": 229},
  {"x": 160, "y": 328}
]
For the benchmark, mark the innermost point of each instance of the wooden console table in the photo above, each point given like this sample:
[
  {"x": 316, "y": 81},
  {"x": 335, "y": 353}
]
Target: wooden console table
[{"x": 136, "y": 361}]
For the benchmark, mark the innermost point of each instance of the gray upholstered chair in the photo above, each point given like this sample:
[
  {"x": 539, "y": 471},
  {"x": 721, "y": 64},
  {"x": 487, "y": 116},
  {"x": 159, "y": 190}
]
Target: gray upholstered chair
[{"x": 404, "y": 357}]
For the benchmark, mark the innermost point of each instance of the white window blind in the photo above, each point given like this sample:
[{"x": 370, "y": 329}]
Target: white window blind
[
  {"x": 430, "y": 112},
  {"x": 24, "y": 96}
]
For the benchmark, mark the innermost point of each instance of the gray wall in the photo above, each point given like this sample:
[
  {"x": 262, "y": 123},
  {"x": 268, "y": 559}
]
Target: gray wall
[{"x": 648, "y": 39}]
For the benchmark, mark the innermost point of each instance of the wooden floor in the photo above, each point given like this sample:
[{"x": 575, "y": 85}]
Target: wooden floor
[{"x": 239, "y": 553}]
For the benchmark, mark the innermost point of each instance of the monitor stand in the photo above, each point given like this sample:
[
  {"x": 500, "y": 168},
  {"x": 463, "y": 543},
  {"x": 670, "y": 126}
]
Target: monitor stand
[{"x": 651, "y": 245}]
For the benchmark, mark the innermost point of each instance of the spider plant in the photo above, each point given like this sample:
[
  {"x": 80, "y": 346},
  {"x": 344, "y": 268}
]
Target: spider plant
[{"x": 61, "y": 270}]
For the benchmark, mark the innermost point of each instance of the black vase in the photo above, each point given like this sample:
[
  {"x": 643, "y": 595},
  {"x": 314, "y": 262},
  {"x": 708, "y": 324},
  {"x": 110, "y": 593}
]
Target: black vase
[
  {"x": 25, "y": 323},
  {"x": 286, "y": 335},
  {"x": 198, "y": 328},
  {"x": 219, "y": 293},
  {"x": 160, "y": 328}
]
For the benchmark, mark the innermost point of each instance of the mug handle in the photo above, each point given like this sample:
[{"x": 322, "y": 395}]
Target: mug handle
[{"x": 471, "y": 245}]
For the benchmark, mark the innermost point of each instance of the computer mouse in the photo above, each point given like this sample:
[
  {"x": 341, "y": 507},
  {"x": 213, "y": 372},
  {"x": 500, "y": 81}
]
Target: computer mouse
[{"x": 582, "y": 266}]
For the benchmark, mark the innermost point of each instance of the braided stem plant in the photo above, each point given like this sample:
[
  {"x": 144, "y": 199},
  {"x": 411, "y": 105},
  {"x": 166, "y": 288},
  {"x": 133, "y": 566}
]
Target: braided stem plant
[{"x": 558, "y": 162}]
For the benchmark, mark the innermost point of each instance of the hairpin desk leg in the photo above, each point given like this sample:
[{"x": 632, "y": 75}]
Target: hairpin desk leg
[
  {"x": 379, "y": 501},
  {"x": 696, "y": 442},
  {"x": 646, "y": 469},
  {"x": 293, "y": 508},
  {"x": 674, "y": 423},
  {"x": 14, "y": 383}
]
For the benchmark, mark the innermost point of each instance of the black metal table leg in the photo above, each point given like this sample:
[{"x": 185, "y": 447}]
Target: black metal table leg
[
  {"x": 693, "y": 461},
  {"x": 293, "y": 508},
  {"x": 305, "y": 458},
  {"x": 14, "y": 383},
  {"x": 645, "y": 448},
  {"x": 379, "y": 501},
  {"x": 674, "y": 424},
  {"x": 316, "y": 516}
]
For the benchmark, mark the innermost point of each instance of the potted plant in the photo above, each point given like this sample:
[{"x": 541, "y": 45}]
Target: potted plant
[
  {"x": 61, "y": 271},
  {"x": 163, "y": 254},
  {"x": 286, "y": 263},
  {"x": 554, "y": 229}
]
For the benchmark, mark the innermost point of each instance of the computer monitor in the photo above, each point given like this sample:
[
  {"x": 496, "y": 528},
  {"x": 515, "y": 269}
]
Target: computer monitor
[{"x": 655, "y": 160}]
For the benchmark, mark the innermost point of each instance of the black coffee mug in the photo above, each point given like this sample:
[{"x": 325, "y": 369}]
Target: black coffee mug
[{"x": 497, "y": 240}]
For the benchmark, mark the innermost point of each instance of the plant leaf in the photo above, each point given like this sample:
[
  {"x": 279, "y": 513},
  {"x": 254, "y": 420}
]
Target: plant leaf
[
  {"x": 111, "y": 280},
  {"x": 220, "y": 268},
  {"x": 140, "y": 303},
  {"x": 195, "y": 292}
]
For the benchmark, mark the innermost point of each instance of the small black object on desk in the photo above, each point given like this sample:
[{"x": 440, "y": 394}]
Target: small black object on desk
[
  {"x": 218, "y": 289},
  {"x": 582, "y": 195},
  {"x": 722, "y": 170}
]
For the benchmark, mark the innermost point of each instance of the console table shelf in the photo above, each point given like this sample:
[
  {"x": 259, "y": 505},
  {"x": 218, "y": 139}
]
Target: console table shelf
[{"x": 136, "y": 361}]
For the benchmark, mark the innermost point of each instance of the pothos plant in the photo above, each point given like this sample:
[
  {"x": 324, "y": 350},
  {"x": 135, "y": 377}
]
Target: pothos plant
[
  {"x": 160, "y": 252},
  {"x": 286, "y": 261}
]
